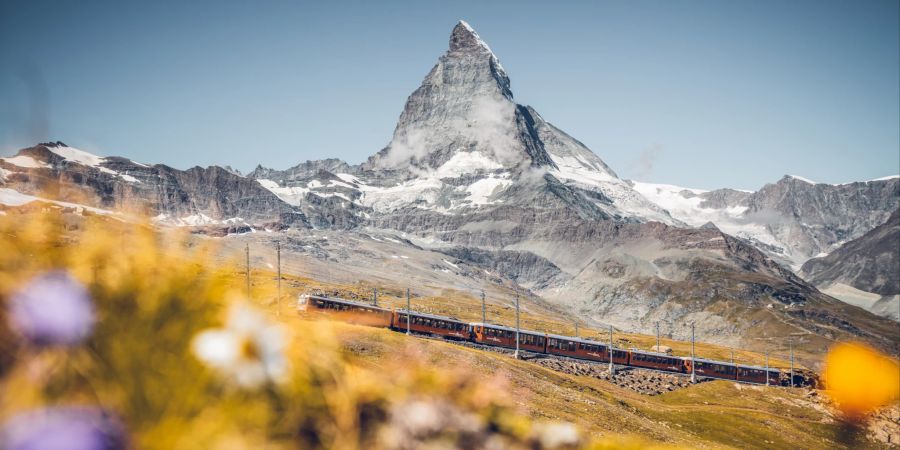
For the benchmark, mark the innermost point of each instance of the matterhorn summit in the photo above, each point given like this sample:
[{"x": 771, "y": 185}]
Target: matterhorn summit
[{"x": 463, "y": 122}]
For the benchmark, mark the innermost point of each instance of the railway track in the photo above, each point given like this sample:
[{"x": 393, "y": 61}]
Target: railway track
[{"x": 531, "y": 344}]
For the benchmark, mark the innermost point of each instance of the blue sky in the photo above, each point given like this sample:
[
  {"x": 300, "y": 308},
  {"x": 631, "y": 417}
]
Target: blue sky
[{"x": 698, "y": 93}]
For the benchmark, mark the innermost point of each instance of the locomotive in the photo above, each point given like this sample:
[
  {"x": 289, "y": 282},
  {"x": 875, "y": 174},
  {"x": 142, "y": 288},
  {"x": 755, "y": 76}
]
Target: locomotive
[{"x": 533, "y": 341}]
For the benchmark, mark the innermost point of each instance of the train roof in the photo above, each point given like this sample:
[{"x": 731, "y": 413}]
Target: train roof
[
  {"x": 651, "y": 353},
  {"x": 711, "y": 361},
  {"x": 413, "y": 312},
  {"x": 770, "y": 369},
  {"x": 501, "y": 327},
  {"x": 347, "y": 302},
  {"x": 576, "y": 339},
  {"x": 725, "y": 363}
]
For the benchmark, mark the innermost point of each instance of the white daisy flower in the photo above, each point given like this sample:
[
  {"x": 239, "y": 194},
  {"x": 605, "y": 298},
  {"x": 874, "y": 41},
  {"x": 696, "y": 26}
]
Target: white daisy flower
[{"x": 248, "y": 351}]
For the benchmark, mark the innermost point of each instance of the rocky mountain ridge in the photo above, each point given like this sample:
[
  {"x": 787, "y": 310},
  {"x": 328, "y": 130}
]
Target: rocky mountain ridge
[
  {"x": 864, "y": 271},
  {"x": 792, "y": 220}
]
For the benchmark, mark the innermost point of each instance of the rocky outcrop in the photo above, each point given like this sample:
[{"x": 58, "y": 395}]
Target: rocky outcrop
[
  {"x": 792, "y": 220},
  {"x": 197, "y": 196},
  {"x": 526, "y": 268},
  {"x": 870, "y": 263},
  {"x": 306, "y": 170}
]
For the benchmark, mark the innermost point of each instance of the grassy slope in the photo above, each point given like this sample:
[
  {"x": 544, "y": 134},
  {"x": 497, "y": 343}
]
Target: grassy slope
[
  {"x": 534, "y": 315},
  {"x": 713, "y": 414}
]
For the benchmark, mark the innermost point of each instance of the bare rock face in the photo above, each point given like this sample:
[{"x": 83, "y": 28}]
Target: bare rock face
[
  {"x": 870, "y": 263},
  {"x": 199, "y": 196},
  {"x": 463, "y": 105},
  {"x": 306, "y": 170},
  {"x": 820, "y": 216},
  {"x": 792, "y": 220}
]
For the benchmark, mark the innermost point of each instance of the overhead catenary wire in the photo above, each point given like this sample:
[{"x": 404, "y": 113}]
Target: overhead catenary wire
[{"x": 440, "y": 306}]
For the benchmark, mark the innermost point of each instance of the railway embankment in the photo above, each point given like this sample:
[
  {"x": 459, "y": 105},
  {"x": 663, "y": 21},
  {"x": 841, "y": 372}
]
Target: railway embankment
[{"x": 647, "y": 382}]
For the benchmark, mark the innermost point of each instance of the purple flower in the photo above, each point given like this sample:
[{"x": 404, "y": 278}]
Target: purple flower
[
  {"x": 63, "y": 428},
  {"x": 53, "y": 308}
]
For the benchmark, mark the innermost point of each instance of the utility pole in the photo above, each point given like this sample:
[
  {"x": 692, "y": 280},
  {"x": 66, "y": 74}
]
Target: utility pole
[
  {"x": 278, "y": 260},
  {"x": 792, "y": 362},
  {"x": 483, "y": 312},
  {"x": 657, "y": 337},
  {"x": 612, "y": 369},
  {"x": 408, "y": 318},
  {"x": 767, "y": 367},
  {"x": 375, "y": 296},
  {"x": 516, "y": 355},
  {"x": 693, "y": 363},
  {"x": 247, "y": 251}
]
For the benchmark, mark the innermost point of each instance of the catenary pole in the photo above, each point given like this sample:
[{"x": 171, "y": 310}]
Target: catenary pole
[
  {"x": 657, "y": 336},
  {"x": 610, "y": 352},
  {"x": 278, "y": 260},
  {"x": 375, "y": 296},
  {"x": 247, "y": 265},
  {"x": 792, "y": 362},
  {"x": 576, "y": 329},
  {"x": 408, "y": 318},
  {"x": 483, "y": 310},
  {"x": 767, "y": 367},
  {"x": 516, "y": 355},
  {"x": 693, "y": 363}
]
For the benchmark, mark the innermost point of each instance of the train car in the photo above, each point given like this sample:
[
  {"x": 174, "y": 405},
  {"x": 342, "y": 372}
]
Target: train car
[
  {"x": 657, "y": 361},
  {"x": 576, "y": 348},
  {"x": 714, "y": 369},
  {"x": 501, "y": 336},
  {"x": 755, "y": 374},
  {"x": 347, "y": 310},
  {"x": 447, "y": 327},
  {"x": 620, "y": 356}
]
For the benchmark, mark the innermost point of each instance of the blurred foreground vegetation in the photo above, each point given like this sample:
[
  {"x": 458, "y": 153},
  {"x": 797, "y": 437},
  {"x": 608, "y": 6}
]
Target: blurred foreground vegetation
[
  {"x": 176, "y": 357},
  {"x": 143, "y": 364}
]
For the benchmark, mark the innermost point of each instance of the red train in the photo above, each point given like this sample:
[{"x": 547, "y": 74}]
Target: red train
[
  {"x": 447, "y": 327},
  {"x": 529, "y": 340}
]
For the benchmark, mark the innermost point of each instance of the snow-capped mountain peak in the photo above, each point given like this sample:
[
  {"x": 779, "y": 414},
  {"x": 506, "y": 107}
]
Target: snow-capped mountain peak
[
  {"x": 465, "y": 38},
  {"x": 461, "y": 135},
  {"x": 74, "y": 154}
]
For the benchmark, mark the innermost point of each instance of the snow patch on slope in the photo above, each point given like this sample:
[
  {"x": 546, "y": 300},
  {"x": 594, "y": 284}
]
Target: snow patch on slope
[
  {"x": 26, "y": 162},
  {"x": 462, "y": 163},
  {"x": 684, "y": 204},
  {"x": 291, "y": 195},
  {"x": 627, "y": 200},
  {"x": 481, "y": 191},
  {"x": 805, "y": 180},
  {"x": 12, "y": 197},
  {"x": 79, "y": 156}
]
